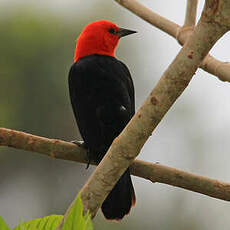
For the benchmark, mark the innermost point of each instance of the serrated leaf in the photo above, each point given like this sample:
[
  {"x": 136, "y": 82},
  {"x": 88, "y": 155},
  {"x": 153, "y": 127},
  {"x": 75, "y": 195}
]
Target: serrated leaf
[
  {"x": 89, "y": 225},
  {"x": 44, "y": 223},
  {"x": 75, "y": 220},
  {"x": 3, "y": 225}
]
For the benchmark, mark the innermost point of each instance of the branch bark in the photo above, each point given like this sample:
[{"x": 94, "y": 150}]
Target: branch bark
[
  {"x": 214, "y": 23},
  {"x": 190, "y": 17},
  {"x": 171, "y": 176},
  {"x": 153, "y": 172},
  {"x": 181, "y": 34}
]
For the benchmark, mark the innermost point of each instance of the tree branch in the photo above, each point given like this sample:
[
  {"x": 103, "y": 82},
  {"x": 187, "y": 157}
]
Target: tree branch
[
  {"x": 171, "y": 176},
  {"x": 151, "y": 17},
  {"x": 151, "y": 171},
  {"x": 181, "y": 34},
  {"x": 51, "y": 147},
  {"x": 216, "y": 67},
  {"x": 190, "y": 17}
]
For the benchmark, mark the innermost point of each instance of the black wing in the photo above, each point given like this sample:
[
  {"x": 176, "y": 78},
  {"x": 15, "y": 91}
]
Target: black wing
[
  {"x": 130, "y": 86},
  {"x": 102, "y": 97}
]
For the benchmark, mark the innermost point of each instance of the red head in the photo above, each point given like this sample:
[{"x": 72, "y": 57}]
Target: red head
[{"x": 100, "y": 37}]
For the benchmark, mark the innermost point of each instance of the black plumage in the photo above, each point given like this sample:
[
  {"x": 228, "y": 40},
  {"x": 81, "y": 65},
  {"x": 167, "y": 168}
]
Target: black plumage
[{"x": 102, "y": 96}]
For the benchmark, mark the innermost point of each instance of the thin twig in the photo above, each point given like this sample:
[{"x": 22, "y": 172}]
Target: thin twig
[
  {"x": 190, "y": 16},
  {"x": 154, "y": 172},
  {"x": 221, "y": 69},
  {"x": 175, "y": 177},
  {"x": 148, "y": 15}
]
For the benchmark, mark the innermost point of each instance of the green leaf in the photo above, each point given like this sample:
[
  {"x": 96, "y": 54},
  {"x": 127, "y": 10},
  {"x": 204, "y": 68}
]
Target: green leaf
[
  {"x": 45, "y": 223},
  {"x": 75, "y": 220},
  {"x": 3, "y": 225},
  {"x": 89, "y": 225}
]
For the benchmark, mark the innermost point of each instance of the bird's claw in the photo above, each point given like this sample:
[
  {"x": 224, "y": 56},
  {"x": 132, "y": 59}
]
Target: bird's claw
[
  {"x": 82, "y": 144},
  {"x": 88, "y": 158},
  {"x": 79, "y": 143}
]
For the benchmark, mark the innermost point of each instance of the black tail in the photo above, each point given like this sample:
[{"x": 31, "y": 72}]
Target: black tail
[{"x": 120, "y": 200}]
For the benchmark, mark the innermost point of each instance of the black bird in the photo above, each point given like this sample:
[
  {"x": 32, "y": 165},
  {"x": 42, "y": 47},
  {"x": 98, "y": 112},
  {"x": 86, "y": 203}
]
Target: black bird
[{"x": 102, "y": 97}]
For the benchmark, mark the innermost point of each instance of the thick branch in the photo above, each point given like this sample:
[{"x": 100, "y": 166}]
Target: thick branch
[
  {"x": 154, "y": 172},
  {"x": 179, "y": 33}
]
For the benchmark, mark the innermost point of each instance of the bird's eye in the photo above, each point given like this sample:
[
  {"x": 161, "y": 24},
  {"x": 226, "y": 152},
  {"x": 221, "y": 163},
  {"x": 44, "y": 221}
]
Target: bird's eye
[{"x": 112, "y": 31}]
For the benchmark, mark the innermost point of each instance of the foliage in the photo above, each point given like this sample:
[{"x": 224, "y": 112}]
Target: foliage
[
  {"x": 74, "y": 221},
  {"x": 3, "y": 225},
  {"x": 44, "y": 223}
]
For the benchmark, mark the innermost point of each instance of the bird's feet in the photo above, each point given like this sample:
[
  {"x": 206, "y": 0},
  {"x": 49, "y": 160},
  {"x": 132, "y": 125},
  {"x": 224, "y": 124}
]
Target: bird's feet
[
  {"x": 79, "y": 143},
  {"x": 82, "y": 144}
]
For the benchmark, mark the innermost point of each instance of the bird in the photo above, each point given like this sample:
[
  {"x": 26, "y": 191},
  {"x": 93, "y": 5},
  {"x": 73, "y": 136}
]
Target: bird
[{"x": 102, "y": 97}]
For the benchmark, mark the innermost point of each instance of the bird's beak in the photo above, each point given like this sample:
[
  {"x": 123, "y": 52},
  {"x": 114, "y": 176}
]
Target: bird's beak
[{"x": 124, "y": 32}]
